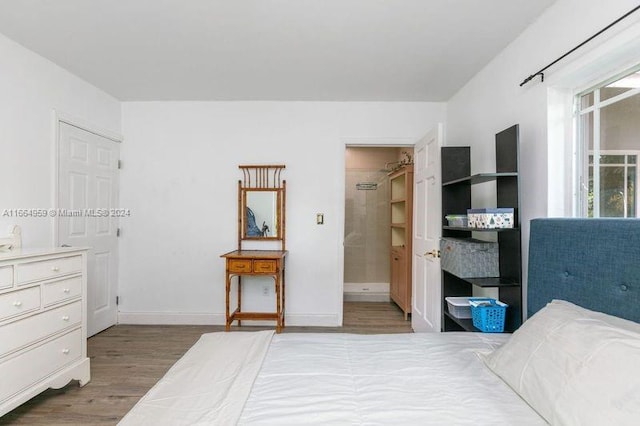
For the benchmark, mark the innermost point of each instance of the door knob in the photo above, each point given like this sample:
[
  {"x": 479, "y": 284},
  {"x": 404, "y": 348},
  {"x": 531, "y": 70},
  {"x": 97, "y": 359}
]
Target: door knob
[{"x": 433, "y": 253}]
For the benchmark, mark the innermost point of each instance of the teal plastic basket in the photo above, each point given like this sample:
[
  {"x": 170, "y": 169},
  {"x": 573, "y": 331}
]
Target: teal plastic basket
[{"x": 488, "y": 314}]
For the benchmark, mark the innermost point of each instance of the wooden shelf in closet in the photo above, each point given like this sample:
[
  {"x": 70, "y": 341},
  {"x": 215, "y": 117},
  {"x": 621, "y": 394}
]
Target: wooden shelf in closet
[{"x": 401, "y": 206}]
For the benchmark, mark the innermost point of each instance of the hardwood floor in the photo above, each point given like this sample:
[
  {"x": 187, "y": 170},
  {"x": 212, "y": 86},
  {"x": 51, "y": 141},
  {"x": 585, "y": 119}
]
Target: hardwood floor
[{"x": 127, "y": 360}]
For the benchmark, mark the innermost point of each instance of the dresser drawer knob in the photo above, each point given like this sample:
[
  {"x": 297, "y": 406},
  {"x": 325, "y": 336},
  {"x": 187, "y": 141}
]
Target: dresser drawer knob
[
  {"x": 65, "y": 351},
  {"x": 17, "y": 303},
  {"x": 55, "y": 269},
  {"x": 66, "y": 290},
  {"x": 65, "y": 318}
]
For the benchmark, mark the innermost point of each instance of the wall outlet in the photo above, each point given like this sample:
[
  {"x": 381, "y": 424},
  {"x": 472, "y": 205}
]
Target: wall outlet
[{"x": 265, "y": 290}]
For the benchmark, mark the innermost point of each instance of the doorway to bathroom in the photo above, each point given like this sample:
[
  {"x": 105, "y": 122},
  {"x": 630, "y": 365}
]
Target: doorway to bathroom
[{"x": 367, "y": 230}]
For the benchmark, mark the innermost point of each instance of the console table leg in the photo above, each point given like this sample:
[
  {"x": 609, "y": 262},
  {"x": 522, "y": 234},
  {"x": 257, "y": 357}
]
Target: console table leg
[
  {"x": 278, "y": 305},
  {"x": 239, "y": 298},
  {"x": 228, "y": 290},
  {"x": 284, "y": 293}
]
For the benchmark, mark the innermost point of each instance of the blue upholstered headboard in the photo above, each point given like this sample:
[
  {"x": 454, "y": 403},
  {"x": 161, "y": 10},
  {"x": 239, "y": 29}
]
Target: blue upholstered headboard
[{"x": 594, "y": 263}]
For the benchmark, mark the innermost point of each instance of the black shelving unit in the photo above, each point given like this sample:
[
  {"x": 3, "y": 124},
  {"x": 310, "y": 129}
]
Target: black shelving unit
[{"x": 457, "y": 186}]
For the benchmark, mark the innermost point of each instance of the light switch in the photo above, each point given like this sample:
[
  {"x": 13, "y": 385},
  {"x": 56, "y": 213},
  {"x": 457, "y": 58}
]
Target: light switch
[{"x": 320, "y": 218}]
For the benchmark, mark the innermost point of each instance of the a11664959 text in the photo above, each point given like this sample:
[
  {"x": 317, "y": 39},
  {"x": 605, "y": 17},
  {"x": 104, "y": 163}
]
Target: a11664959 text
[{"x": 61, "y": 212}]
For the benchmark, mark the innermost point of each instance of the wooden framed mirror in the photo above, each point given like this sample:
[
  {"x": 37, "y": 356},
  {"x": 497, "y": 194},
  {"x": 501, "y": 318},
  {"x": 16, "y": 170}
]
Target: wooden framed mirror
[
  {"x": 261, "y": 218},
  {"x": 261, "y": 200}
]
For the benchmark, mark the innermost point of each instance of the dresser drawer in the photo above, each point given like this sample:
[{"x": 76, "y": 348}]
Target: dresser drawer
[
  {"x": 32, "y": 271},
  {"x": 6, "y": 276},
  {"x": 25, "y": 370},
  {"x": 21, "y": 333},
  {"x": 19, "y": 302},
  {"x": 266, "y": 266},
  {"x": 59, "y": 291},
  {"x": 239, "y": 265}
]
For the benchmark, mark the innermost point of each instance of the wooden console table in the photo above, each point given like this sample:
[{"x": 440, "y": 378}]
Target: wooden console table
[{"x": 256, "y": 262}]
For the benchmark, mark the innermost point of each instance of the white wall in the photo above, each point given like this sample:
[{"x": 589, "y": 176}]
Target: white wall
[
  {"x": 180, "y": 182},
  {"x": 31, "y": 88},
  {"x": 493, "y": 100}
]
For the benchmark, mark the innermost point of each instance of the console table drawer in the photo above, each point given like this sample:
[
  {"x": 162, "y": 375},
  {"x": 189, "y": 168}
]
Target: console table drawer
[
  {"x": 266, "y": 266},
  {"x": 32, "y": 271},
  {"x": 19, "y": 302},
  {"x": 59, "y": 291},
  {"x": 20, "y": 333},
  {"x": 239, "y": 265},
  {"x": 35, "y": 365}
]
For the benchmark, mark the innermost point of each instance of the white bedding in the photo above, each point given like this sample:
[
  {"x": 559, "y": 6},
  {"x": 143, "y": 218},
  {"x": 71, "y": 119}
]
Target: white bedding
[
  {"x": 207, "y": 386},
  {"x": 396, "y": 379},
  {"x": 335, "y": 379}
]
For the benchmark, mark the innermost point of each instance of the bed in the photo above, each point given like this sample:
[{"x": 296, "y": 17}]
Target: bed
[{"x": 575, "y": 361}]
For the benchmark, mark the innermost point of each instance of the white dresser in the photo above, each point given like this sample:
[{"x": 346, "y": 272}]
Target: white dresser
[{"x": 43, "y": 322}]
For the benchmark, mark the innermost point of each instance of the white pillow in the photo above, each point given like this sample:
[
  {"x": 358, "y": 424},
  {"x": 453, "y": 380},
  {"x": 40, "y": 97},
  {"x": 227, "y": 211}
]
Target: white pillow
[{"x": 574, "y": 366}]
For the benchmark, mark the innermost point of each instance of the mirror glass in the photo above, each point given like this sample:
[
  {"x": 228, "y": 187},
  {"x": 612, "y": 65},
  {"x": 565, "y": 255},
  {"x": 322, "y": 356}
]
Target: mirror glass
[{"x": 261, "y": 214}]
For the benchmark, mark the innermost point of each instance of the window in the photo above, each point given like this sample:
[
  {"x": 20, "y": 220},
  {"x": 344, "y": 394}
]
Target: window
[
  {"x": 615, "y": 196},
  {"x": 608, "y": 133}
]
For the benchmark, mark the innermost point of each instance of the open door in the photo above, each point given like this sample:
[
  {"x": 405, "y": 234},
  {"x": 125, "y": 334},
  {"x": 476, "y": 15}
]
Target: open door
[{"x": 427, "y": 230}]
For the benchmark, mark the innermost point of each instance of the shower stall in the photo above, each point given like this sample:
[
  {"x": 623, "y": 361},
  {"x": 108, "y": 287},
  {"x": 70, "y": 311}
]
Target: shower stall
[{"x": 367, "y": 234}]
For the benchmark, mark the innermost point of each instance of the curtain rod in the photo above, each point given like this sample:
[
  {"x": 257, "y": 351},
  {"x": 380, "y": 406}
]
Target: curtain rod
[{"x": 541, "y": 72}]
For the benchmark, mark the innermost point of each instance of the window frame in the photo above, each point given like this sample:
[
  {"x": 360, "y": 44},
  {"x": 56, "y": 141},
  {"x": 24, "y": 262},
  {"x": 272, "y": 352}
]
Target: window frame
[{"x": 582, "y": 151}]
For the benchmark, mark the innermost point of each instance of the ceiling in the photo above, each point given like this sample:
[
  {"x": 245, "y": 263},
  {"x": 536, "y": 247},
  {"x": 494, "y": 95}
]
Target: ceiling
[{"x": 333, "y": 50}]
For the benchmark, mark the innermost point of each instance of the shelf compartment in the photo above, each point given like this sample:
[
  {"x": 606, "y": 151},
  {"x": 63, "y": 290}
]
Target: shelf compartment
[
  {"x": 479, "y": 178},
  {"x": 492, "y": 282},
  {"x": 398, "y": 235},
  {"x": 487, "y": 282},
  {"x": 398, "y": 212},
  {"x": 466, "y": 324},
  {"x": 398, "y": 187}
]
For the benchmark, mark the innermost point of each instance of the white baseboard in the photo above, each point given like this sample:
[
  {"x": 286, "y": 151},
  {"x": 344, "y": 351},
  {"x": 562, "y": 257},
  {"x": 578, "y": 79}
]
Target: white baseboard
[
  {"x": 366, "y": 287},
  {"x": 170, "y": 318},
  {"x": 366, "y": 292},
  {"x": 180, "y": 318},
  {"x": 366, "y": 297}
]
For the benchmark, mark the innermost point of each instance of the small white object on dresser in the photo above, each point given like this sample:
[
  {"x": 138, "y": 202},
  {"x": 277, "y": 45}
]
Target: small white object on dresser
[{"x": 43, "y": 322}]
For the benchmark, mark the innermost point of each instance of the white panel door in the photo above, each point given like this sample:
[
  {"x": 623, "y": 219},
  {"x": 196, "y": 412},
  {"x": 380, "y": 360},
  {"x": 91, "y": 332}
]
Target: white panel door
[
  {"x": 427, "y": 230},
  {"x": 87, "y": 199}
]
